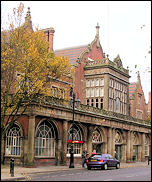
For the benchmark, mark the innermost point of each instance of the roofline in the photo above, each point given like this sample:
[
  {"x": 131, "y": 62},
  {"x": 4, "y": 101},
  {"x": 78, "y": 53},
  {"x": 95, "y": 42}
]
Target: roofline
[{"x": 66, "y": 48}]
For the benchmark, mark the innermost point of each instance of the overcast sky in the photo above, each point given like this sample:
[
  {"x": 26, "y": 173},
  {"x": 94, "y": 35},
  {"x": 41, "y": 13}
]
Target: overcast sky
[{"x": 120, "y": 28}]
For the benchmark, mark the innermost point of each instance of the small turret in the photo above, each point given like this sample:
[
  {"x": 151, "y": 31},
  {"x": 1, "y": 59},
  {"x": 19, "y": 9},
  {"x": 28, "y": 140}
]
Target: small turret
[{"x": 28, "y": 21}]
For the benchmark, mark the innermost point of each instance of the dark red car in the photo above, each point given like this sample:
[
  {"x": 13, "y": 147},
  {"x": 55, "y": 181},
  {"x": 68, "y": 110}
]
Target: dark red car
[{"x": 103, "y": 161}]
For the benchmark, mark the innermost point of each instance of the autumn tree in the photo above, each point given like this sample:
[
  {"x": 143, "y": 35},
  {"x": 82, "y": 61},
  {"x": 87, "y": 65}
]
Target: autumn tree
[{"x": 25, "y": 66}]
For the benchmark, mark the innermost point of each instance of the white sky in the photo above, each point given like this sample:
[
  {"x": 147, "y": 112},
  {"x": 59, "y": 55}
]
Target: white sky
[{"x": 120, "y": 28}]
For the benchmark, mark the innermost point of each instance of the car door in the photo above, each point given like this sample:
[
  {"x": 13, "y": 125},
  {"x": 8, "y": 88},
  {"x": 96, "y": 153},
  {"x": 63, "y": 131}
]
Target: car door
[
  {"x": 107, "y": 157},
  {"x": 112, "y": 161}
]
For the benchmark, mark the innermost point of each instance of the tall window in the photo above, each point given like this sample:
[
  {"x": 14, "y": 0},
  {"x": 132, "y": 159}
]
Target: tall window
[
  {"x": 92, "y": 92},
  {"x": 87, "y": 92},
  {"x": 101, "y": 103},
  {"x": 77, "y": 135},
  {"x": 97, "y": 82},
  {"x": 102, "y": 82},
  {"x": 117, "y": 104},
  {"x": 92, "y": 83},
  {"x": 96, "y": 92},
  {"x": 88, "y": 102},
  {"x": 88, "y": 83},
  {"x": 45, "y": 140},
  {"x": 92, "y": 102},
  {"x": 101, "y": 92},
  {"x": 97, "y": 104},
  {"x": 13, "y": 141}
]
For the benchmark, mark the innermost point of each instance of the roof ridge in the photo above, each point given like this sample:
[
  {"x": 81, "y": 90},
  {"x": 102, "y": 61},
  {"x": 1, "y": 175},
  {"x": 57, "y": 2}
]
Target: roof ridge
[{"x": 71, "y": 47}]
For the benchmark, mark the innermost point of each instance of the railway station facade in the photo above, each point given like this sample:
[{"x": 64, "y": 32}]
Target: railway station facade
[{"x": 102, "y": 120}]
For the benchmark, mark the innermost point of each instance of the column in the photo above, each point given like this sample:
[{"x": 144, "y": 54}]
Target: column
[
  {"x": 131, "y": 145},
  {"x": 90, "y": 129},
  {"x": 142, "y": 147},
  {"x": 109, "y": 140},
  {"x": 113, "y": 143},
  {"x": 128, "y": 156},
  {"x": 58, "y": 149},
  {"x": 31, "y": 134},
  {"x": 64, "y": 142}
]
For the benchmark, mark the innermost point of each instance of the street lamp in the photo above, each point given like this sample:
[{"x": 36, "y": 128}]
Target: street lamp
[{"x": 72, "y": 96}]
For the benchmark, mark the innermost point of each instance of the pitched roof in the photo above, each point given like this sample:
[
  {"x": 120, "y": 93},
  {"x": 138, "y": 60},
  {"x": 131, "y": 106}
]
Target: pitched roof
[{"x": 72, "y": 53}]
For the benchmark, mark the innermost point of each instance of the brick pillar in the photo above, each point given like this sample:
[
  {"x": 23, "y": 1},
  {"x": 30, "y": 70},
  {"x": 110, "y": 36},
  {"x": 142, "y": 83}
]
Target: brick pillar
[
  {"x": 128, "y": 155},
  {"x": 109, "y": 140},
  {"x": 31, "y": 134},
  {"x": 64, "y": 142}
]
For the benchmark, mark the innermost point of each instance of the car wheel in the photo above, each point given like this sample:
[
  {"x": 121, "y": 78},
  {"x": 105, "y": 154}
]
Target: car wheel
[
  {"x": 105, "y": 166},
  {"x": 89, "y": 168},
  {"x": 117, "y": 166}
]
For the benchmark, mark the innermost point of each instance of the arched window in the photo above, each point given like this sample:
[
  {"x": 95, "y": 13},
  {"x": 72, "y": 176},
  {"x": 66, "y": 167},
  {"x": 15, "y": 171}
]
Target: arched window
[
  {"x": 96, "y": 137},
  {"x": 77, "y": 136},
  {"x": 118, "y": 137},
  {"x": 45, "y": 140},
  {"x": 13, "y": 141}
]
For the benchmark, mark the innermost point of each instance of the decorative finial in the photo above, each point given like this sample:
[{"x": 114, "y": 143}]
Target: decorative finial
[
  {"x": 97, "y": 30},
  {"x": 138, "y": 75}
]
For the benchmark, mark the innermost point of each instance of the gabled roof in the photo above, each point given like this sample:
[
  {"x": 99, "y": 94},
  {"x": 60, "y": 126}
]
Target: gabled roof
[
  {"x": 76, "y": 53},
  {"x": 72, "y": 52}
]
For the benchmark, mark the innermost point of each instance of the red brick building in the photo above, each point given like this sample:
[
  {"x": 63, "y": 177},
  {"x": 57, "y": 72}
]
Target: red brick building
[
  {"x": 138, "y": 108},
  {"x": 101, "y": 122}
]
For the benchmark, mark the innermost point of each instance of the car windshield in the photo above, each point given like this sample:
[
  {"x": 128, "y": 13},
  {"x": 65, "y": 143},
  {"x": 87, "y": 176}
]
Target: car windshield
[{"x": 96, "y": 156}]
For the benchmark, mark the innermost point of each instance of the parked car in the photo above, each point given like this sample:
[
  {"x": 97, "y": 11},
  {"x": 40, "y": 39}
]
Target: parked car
[{"x": 103, "y": 161}]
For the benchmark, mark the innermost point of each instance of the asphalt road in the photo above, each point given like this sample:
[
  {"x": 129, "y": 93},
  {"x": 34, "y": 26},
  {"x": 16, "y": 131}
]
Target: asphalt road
[{"x": 112, "y": 174}]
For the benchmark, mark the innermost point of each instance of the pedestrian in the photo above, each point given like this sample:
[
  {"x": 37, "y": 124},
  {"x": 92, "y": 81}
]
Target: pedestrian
[
  {"x": 94, "y": 152},
  {"x": 84, "y": 156}
]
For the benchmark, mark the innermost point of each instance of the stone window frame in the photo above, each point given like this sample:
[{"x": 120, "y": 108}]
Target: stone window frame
[
  {"x": 45, "y": 133},
  {"x": 77, "y": 136},
  {"x": 13, "y": 141}
]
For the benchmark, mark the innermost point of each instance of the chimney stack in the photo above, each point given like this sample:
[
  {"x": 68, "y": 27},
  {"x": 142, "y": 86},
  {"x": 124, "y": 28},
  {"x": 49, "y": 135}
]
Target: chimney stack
[{"x": 49, "y": 32}]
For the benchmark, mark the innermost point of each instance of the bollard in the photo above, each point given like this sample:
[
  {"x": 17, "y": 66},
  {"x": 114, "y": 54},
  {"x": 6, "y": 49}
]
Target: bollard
[{"x": 12, "y": 167}]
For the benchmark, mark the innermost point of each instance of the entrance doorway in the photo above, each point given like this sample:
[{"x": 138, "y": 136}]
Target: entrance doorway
[
  {"x": 118, "y": 152},
  {"x": 97, "y": 147},
  {"x": 135, "y": 153}
]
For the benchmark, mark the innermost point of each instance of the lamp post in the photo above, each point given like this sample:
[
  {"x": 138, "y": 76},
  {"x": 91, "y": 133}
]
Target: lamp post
[{"x": 72, "y": 96}]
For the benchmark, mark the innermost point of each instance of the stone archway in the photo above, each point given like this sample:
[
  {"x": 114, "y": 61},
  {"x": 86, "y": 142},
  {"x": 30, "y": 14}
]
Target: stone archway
[
  {"x": 118, "y": 145},
  {"x": 136, "y": 141},
  {"x": 97, "y": 141}
]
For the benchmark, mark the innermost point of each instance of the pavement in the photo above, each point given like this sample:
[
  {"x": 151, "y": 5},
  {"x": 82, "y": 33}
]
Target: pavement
[{"x": 21, "y": 173}]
